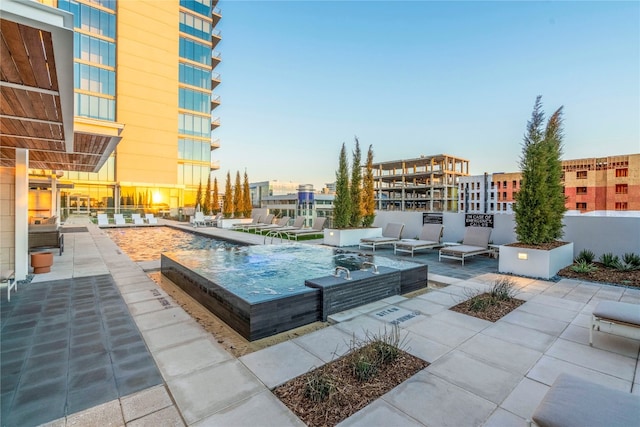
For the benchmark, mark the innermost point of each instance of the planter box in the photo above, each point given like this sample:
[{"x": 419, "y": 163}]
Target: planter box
[
  {"x": 534, "y": 262},
  {"x": 349, "y": 236},
  {"x": 230, "y": 222}
]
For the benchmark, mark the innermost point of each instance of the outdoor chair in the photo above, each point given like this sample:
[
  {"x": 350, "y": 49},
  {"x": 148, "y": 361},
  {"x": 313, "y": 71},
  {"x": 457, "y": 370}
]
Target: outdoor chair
[
  {"x": 619, "y": 318},
  {"x": 119, "y": 219},
  {"x": 475, "y": 242},
  {"x": 575, "y": 402},
  {"x": 255, "y": 221},
  {"x": 267, "y": 221},
  {"x": 316, "y": 228},
  {"x": 103, "y": 219},
  {"x": 430, "y": 237},
  {"x": 297, "y": 225},
  {"x": 390, "y": 235},
  {"x": 137, "y": 219},
  {"x": 199, "y": 220},
  {"x": 150, "y": 218},
  {"x": 280, "y": 222}
]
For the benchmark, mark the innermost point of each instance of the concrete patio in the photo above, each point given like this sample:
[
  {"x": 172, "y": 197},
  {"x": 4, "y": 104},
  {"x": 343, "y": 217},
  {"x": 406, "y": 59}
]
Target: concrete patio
[{"x": 480, "y": 373}]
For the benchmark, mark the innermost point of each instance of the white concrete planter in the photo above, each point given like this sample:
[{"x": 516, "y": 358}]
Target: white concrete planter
[
  {"x": 230, "y": 222},
  {"x": 535, "y": 262},
  {"x": 349, "y": 236}
]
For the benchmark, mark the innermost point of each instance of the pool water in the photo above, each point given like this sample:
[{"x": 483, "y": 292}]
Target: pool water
[
  {"x": 147, "y": 243},
  {"x": 258, "y": 273}
]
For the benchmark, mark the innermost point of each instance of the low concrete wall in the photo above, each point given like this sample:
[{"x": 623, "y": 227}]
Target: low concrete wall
[{"x": 600, "y": 234}]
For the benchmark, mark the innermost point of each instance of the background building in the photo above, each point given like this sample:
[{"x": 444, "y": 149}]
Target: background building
[
  {"x": 303, "y": 202},
  {"x": 427, "y": 183},
  {"x": 262, "y": 189},
  {"x": 147, "y": 67}
]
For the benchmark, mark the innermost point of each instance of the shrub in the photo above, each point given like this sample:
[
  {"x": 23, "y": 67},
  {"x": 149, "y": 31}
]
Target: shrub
[
  {"x": 364, "y": 363},
  {"x": 319, "y": 386},
  {"x": 585, "y": 255},
  {"x": 631, "y": 258},
  {"x": 502, "y": 290},
  {"x": 625, "y": 266},
  {"x": 609, "y": 260},
  {"x": 368, "y": 356},
  {"x": 583, "y": 266}
]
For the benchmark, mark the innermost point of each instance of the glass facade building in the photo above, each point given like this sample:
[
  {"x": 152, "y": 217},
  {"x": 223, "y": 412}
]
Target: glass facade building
[{"x": 154, "y": 76}]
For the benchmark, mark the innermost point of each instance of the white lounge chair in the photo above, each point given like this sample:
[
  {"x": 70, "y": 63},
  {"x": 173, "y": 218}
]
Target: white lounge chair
[
  {"x": 268, "y": 220},
  {"x": 316, "y": 228},
  {"x": 576, "y": 402},
  {"x": 199, "y": 220},
  {"x": 619, "y": 318},
  {"x": 255, "y": 221},
  {"x": 103, "y": 220},
  {"x": 430, "y": 237},
  {"x": 390, "y": 235},
  {"x": 150, "y": 218},
  {"x": 280, "y": 222},
  {"x": 297, "y": 225},
  {"x": 119, "y": 219},
  {"x": 137, "y": 219},
  {"x": 475, "y": 242}
]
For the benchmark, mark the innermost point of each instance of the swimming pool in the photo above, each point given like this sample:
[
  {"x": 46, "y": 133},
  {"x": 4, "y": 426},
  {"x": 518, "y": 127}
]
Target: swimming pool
[{"x": 264, "y": 290}]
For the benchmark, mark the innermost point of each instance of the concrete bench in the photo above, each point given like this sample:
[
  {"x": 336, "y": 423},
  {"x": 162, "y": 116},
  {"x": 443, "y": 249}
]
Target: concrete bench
[
  {"x": 574, "y": 402},
  {"x": 620, "y": 318}
]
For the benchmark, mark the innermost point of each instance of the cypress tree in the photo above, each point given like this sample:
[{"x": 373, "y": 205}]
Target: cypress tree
[
  {"x": 237, "y": 197},
  {"x": 227, "y": 203},
  {"x": 368, "y": 195},
  {"x": 199, "y": 196},
  {"x": 539, "y": 206},
  {"x": 342, "y": 201},
  {"x": 246, "y": 195},
  {"x": 215, "y": 205},
  {"x": 356, "y": 188},
  {"x": 206, "y": 206}
]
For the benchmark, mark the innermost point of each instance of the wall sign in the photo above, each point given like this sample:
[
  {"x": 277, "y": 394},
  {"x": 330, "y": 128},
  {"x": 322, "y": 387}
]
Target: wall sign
[
  {"x": 432, "y": 218},
  {"x": 478, "y": 220}
]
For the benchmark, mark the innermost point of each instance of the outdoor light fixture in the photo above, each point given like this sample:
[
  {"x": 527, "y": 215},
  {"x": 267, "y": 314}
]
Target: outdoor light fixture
[
  {"x": 331, "y": 233},
  {"x": 523, "y": 255}
]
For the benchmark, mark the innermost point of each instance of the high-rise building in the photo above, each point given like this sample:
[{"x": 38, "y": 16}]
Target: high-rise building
[{"x": 146, "y": 66}]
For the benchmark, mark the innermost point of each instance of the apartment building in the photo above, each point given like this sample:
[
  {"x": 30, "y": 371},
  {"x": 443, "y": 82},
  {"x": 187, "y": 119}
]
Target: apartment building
[
  {"x": 146, "y": 67},
  {"x": 303, "y": 202},
  {"x": 591, "y": 184},
  {"x": 426, "y": 183}
]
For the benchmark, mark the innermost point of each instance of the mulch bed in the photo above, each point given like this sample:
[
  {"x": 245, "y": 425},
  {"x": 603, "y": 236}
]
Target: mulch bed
[
  {"x": 604, "y": 275},
  {"x": 492, "y": 313},
  {"x": 350, "y": 395}
]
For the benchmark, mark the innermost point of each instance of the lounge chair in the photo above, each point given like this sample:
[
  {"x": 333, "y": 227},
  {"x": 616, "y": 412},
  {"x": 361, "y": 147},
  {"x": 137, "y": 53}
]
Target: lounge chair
[
  {"x": 620, "y": 318},
  {"x": 475, "y": 242},
  {"x": 137, "y": 219},
  {"x": 575, "y": 402},
  {"x": 316, "y": 228},
  {"x": 390, "y": 235},
  {"x": 255, "y": 221},
  {"x": 199, "y": 220},
  {"x": 297, "y": 225},
  {"x": 150, "y": 218},
  {"x": 119, "y": 219},
  {"x": 268, "y": 220},
  {"x": 280, "y": 222},
  {"x": 103, "y": 220},
  {"x": 430, "y": 237}
]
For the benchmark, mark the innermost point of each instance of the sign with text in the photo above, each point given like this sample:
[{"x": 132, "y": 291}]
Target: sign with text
[
  {"x": 478, "y": 220},
  {"x": 432, "y": 218}
]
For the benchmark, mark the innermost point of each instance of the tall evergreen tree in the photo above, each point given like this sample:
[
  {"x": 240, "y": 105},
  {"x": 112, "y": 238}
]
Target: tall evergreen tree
[
  {"x": 227, "y": 203},
  {"x": 368, "y": 194},
  {"x": 237, "y": 197},
  {"x": 206, "y": 205},
  {"x": 199, "y": 196},
  {"x": 539, "y": 204},
  {"x": 215, "y": 204},
  {"x": 246, "y": 195},
  {"x": 355, "y": 188},
  {"x": 342, "y": 201}
]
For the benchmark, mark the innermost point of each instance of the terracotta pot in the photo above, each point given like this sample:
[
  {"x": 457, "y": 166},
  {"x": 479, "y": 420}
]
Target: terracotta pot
[{"x": 41, "y": 262}]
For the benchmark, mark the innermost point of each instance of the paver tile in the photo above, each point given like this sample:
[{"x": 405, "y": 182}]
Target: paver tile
[
  {"x": 326, "y": 344},
  {"x": 609, "y": 342},
  {"x": 379, "y": 413},
  {"x": 539, "y": 323},
  {"x": 525, "y": 398},
  {"x": 189, "y": 356},
  {"x": 502, "y": 354},
  {"x": 502, "y": 418},
  {"x": 442, "y": 332},
  {"x": 145, "y": 402}
]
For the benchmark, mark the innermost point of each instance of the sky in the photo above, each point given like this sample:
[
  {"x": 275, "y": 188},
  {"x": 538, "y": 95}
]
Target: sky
[{"x": 411, "y": 78}]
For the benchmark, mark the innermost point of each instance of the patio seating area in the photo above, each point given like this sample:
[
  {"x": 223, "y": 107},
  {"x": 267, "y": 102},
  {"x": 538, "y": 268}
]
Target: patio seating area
[{"x": 480, "y": 373}]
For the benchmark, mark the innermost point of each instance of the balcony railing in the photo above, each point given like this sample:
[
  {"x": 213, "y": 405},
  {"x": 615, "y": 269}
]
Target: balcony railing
[
  {"x": 215, "y": 143},
  {"x": 216, "y": 55}
]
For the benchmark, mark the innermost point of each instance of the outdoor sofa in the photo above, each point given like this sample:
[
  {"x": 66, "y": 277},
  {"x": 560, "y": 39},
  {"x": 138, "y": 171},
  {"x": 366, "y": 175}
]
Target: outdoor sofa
[{"x": 46, "y": 235}]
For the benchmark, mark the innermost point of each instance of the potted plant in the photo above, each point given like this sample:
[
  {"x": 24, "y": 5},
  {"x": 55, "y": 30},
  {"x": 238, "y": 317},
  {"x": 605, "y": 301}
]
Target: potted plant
[
  {"x": 354, "y": 204},
  {"x": 540, "y": 204}
]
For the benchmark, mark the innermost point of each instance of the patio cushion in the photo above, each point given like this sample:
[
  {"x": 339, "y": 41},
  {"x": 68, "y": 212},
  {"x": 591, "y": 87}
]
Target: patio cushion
[
  {"x": 574, "y": 402},
  {"x": 620, "y": 311}
]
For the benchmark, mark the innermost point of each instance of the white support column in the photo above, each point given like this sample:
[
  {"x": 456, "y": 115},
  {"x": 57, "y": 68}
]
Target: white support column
[
  {"x": 55, "y": 206},
  {"x": 22, "y": 214}
]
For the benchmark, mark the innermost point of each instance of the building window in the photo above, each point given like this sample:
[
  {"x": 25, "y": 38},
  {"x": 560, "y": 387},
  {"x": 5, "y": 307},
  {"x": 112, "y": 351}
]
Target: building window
[
  {"x": 203, "y": 7},
  {"x": 194, "y": 125},
  {"x": 94, "y": 79},
  {"x": 514, "y": 182},
  {"x": 621, "y": 206},
  {"x": 195, "y": 51},
  {"x": 95, "y": 107},
  {"x": 620, "y": 173},
  {"x": 195, "y": 26},
  {"x": 504, "y": 195},
  {"x": 94, "y": 50},
  {"x": 581, "y": 175},
  {"x": 461, "y": 206},
  {"x": 504, "y": 184},
  {"x": 581, "y": 206},
  {"x": 622, "y": 188},
  {"x": 195, "y": 76},
  {"x": 193, "y": 100},
  {"x": 581, "y": 190},
  {"x": 491, "y": 206}
]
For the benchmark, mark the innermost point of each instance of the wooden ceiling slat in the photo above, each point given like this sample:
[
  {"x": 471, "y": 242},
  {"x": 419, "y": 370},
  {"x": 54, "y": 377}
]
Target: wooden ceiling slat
[
  {"x": 12, "y": 35},
  {"x": 10, "y": 104},
  {"x": 49, "y": 108},
  {"x": 47, "y": 40},
  {"x": 32, "y": 41},
  {"x": 9, "y": 70},
  {"x": 39, "y": 110}
]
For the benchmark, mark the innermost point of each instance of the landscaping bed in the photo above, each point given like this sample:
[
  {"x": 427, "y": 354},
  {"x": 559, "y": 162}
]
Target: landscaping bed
[
  {"x": 604, "y": 274},
  {"x": 492, "y": 305}
]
